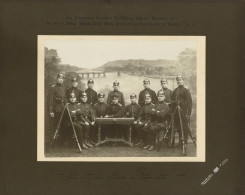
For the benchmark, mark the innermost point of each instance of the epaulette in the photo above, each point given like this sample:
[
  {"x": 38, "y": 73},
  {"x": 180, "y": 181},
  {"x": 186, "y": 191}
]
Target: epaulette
[
  {"x": 119, "y": 104},
  {"x": 53, "y": 85},
  {"x": 152, "y": 104},
  {"x": 78, "y": 103}
]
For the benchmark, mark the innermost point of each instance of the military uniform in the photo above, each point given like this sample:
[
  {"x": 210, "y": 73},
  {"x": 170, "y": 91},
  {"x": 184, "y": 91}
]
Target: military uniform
[
  {"x": 142, "y": 94},
  {"x": 92, "y": 96},
  {"x": 115, "y": 111},
  {"x": 74, "y": 109},
  {"x": 182, "y": 96},
  {"x": 86, "y": 115},
  {"x": 168, "y": 94},
  {"x": 132, "y": 111},
  {"x": 120, "y": 96},
  {"x": 75, "y": 90},
  {"x": 117, "y": 93},
  {"x": 100, "y": 110},
  {"x": 56, "y": 102}
]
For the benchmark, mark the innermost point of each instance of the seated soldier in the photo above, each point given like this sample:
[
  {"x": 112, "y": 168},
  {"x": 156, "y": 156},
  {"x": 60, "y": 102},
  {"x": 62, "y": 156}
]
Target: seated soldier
[
  {"x": 74, "y": 109},
  {"x": 158, "y": 121},
  {"x": 86, "y": 118},
  {"x": 115, "y": 110},
  {"x": 101, "y": 110},
  {"x": 132, "y": 111},
  {"x": 145, "y": 118}
]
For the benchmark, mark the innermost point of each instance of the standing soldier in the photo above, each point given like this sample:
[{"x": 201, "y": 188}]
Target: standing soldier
[
  {"x": 91, "y": 94},
  {"x": 182, "y": 96},
  {"x": 157, "y": 123},
  {"x": 117, "y": 93},
  {"x": 74, "y": 89},
  {"x": 74, "y": 110},
  {"x": 133, "y": 110},
  {"x": 147, "y": 90},
  {"x": 116, "y": 110},
  {"x": 56, "y": 101},
  {"x": 87, "y": 117},
  {"x": 101, "y": 110},
  {"x": 167, "y": 92}
]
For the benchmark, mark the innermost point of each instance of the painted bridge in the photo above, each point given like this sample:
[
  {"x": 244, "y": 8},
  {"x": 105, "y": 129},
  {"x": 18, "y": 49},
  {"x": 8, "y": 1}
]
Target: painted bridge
[{"x": 92, "y": 74}]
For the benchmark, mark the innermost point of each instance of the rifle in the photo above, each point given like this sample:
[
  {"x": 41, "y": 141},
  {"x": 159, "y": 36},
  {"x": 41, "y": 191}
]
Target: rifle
[{"x": 58, "y": 125}]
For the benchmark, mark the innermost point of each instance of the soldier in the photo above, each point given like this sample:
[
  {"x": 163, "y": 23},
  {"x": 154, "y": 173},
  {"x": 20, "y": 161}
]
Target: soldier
[
  {"x": 91, "y": 94},
  {"x": 133, "y": 110},
  {"x": 182, "y": 96},
  {"x": 167, "y": 92},
  {"x": 74, "y": 110},
  {"x": 74, "y": 89},
  {"x": 116, "y": 110},
  {"x": 116, "y": 92},
  {"x": 158, "y": 121},
  {"x": 145, "y": 117},
  {"x": 149, "y": 91},
  {"x": 87, "y": 117},
  {"x": 101, "y": 110},
  {"x": 56, "y": 101}
]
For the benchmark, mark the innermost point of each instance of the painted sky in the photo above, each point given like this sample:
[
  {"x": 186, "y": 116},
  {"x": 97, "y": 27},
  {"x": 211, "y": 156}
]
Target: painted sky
[{"x": 94, "y": 53}]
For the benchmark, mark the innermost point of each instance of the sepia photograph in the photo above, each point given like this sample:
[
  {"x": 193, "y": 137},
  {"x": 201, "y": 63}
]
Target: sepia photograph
[{"x": 121, "y": 98}]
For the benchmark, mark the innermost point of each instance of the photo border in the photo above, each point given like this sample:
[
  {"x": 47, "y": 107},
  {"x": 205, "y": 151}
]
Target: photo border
[{"x": 200, "y": 108}]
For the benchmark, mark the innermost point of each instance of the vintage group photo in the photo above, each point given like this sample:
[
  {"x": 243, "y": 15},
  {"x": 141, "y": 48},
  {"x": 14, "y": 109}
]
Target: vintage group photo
[{"x": 121, "y": 98}]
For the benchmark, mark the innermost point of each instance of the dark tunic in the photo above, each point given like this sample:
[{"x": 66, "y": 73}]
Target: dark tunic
[
  {"x": 78, "y": 93},
  {"x": 56, "y": 98},
  {"x": 116, "y": 110},
  {"x": 168, "y": 94},
  {"x": 133, "y": 110},
  {"x": 119, "y": 94},
  {"x": 100, "y": 109},
  {"x": 159, "y": 118},
  {"x": 86, "y": 112},
  {"x": 182, "y": 95},
  {"x": 92, "y": 96},
  {"x": 141, "y": 100},
  {"x": 146, "y": 112}
]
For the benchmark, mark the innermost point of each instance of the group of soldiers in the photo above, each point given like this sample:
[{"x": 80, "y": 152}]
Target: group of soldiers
[{"x": 151, "y": 113}]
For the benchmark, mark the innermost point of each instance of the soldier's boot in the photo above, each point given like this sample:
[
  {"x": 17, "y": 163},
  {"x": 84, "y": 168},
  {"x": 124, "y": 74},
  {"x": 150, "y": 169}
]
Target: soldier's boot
[
  {"x": 86, "y": 141},
  {"x": 152, "y": 138}
]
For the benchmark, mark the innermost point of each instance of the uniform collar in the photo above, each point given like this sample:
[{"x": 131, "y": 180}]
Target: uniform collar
[
  {"x": 59, "y": 84},
  {"x": 180, "y": 86}
]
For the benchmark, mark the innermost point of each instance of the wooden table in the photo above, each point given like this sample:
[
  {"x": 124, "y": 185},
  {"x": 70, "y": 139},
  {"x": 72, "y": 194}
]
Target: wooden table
[{"x": 114, "y": 121}]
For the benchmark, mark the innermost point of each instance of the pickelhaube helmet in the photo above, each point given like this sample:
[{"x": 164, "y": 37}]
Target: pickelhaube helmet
[
  {"x": 146, "y": 81},
  {"x": 115, "y": 83},
  {"x": 60, "y": 75},
  {"x": 133, "y": 96},
  {"x": 84, "y": 94},
  {"x": 74, "y": 79},
  {"x": 160, "y": 94},
  {"x": 179, "y": 77},
  {"x": 90, "y": 81},
  {"x": 164, "y": 80},
  {"x": 101, "y": 95},
  {"x": 72, "y": 95}
]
